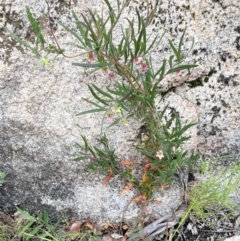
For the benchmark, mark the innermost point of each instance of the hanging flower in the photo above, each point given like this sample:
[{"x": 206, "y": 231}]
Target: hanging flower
[
  {"x": 178, "y": 73},
  {"x": 45, "y": 62},
  {"x": 137, "y": 60},
  {"x": 110, "y": 117},
  {"x": 111, "y": 76},
  {"x": 159, "y": 154},
  {"x": 125, "y": 121},
  {"x": 116, "y": 109},
  {"x": 144, "y": 67},
  {"x": 105, "y": 70},
  {"x": 91, "y": 56}
]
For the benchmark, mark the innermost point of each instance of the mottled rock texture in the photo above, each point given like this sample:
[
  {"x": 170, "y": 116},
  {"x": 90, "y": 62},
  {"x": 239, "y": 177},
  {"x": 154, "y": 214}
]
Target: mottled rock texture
[{"x": 38, "y": 105}]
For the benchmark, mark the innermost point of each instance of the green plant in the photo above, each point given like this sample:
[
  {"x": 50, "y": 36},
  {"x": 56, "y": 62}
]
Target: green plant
[
  {"x": 39, "y": 227},
  {"x": 130, "y": 95},
  {"x": 2, "y": 177},
  {"x": 5, "y": 232},
  {"x": 28, "y": 227},
  {"x": 215, "y": 192},
  {"x": 212, "y": 194},
  {"x": 103, "y": 159}
]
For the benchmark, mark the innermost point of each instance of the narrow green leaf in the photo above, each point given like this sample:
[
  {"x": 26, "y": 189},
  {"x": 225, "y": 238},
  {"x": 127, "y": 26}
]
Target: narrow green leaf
[
  {"x": 97, "y": 65},
  {"x": 89, "y": 27},
  {"x": 170, "y": 60},
  {"x": 119, "y": 47},
  {"x": 93, "y": 103},
  {"x": 88, "y": 42},
  {"x": 24, "y": 43},
  {"x": 40, "y": 36},
  {"x": 35, "y": 26},
  {"x": 96, "y": 96},
  {"x": 144, "y": 37},
  {"x": 182, "y": 67},
  {"x": 146, "y": 153},
  {"x": 186, "y": 127},
  {"x": 95, "y": 23},
  {"x": 92, "y": 152},
  {"x": 106, "y": 21},
  {"x": 137, "y": 47},
  {"x": 126, "y": 96},
  {"x": 139, "y": 20},
  {"x": 131, "y": 28},
  {"x": 112, "y": 50},
  {"x": 153, "y": 42},
  {"x": 45, "y": 217},
  {"x": 79, "y": 25},
  {"x": 180, "y": 43},
  {"x": 85, "y": 143},
  {"x": 80, "y": 158},
  {"x": 161, "y": 114},
  {"x": 162, "y": 69},
  {"x": 49, "y": 235},
  {"x": 40, "y": 217},
  {"x": 73, "y": 33},
  {"x": 118, "y": 4},
  {"x": 55, "y": 225},
  {"x": 174, "y": 50},
  {"x": 143, "y": 100},
  {"x": 111, "y": 12},
  {"x": 102, "y": 92},
  {"x": 91, "y": 111},
  {"x": 125, "y": 54}
]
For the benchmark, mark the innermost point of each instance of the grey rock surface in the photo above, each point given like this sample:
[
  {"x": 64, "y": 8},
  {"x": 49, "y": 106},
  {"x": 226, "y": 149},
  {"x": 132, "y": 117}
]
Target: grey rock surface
[{"x": 39, "y": 128}]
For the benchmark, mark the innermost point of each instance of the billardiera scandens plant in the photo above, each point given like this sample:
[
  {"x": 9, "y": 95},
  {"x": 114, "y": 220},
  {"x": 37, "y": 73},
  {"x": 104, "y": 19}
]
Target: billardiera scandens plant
[{"x": 130, "y": 94}]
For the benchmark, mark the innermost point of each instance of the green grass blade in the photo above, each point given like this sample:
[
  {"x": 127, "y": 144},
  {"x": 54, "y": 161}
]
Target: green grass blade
[
  {"x": 45, "y": 217},
  {"x": 34, "y": 232},
  {"x": 26, "y": 227},
  {"x": 26, "y": 215}
]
